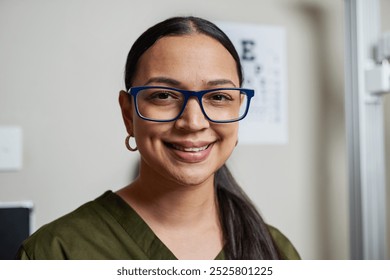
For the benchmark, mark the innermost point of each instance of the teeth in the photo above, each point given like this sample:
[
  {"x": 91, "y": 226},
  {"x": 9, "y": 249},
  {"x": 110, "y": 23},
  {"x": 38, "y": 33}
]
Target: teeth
[{"x": 192, "y": 149}]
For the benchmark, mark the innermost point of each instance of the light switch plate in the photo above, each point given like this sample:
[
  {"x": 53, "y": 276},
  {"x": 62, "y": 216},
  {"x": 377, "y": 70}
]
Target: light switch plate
[{"x": 11, "y": 147}]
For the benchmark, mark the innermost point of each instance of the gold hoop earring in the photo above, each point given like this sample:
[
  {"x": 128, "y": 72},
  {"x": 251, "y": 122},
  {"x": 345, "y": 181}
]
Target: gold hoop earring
[{"x": 127, "y": 142}]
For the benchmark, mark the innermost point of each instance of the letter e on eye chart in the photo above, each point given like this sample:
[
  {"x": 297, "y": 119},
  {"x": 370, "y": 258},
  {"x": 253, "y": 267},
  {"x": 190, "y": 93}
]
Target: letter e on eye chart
[{"x": 262, "y": 50}]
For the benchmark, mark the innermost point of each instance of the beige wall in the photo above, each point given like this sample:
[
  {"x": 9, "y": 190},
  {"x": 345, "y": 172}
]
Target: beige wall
[{"x": 61, "y": 70}]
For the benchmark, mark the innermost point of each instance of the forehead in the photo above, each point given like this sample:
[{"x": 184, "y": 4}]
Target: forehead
[{"x": 187, "y": 58}]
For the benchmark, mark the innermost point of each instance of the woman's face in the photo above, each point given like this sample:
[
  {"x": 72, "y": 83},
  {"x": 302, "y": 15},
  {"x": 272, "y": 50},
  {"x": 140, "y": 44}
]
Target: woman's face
[{"x": 189, "y": 150}]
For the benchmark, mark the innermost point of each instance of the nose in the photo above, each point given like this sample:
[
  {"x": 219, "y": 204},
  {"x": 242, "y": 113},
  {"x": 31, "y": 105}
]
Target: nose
[{"x": 192, "y": 118}]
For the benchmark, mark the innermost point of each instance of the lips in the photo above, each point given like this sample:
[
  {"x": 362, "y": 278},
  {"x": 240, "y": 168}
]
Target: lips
[{"x": 190, "y": 152}]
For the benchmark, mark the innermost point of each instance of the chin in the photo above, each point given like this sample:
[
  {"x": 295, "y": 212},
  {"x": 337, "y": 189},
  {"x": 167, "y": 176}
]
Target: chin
[{"x": 193, "y": 178}]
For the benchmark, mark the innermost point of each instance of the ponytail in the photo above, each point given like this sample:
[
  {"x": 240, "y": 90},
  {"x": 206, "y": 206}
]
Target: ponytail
[{"x": 245, "y": 233}]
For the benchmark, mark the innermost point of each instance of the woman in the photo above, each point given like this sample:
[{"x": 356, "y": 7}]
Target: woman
[{"x": 182, "y": 106}]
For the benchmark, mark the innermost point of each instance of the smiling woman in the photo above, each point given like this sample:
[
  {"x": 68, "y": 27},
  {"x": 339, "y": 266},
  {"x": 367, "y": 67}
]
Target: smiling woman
[{"x": 182, "y": 105}]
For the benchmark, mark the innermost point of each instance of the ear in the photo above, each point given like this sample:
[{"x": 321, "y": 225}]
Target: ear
[{"x": 126, "y": 104}]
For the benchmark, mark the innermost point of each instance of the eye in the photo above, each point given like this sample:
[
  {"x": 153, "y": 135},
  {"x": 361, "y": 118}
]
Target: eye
[
  {"x": 162, "y": 95},
  {"x": 219, "y": 96}
]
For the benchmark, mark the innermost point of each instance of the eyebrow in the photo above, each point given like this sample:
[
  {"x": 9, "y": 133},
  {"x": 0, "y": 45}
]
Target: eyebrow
[
  {"x": 163, "y": 80},
  {"x": 220, "y": 82},
  {"x": 173, "y": 82}
]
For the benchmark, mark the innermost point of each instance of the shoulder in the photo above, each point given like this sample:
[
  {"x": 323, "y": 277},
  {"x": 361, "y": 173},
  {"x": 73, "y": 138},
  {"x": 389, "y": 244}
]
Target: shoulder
[
  {"x": 285, "y": 247},
  {"x": 53, "y": 240}
]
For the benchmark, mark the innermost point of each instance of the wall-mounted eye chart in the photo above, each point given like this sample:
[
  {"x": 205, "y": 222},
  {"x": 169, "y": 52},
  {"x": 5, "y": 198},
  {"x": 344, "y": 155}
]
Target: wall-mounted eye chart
[{"x": 262, "y": 50}]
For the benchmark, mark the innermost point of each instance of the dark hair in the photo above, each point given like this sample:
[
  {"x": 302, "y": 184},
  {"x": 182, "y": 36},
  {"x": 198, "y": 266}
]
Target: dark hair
[
  {"x": 175, "y": 27},
  {"x": 246, "y": 236}
]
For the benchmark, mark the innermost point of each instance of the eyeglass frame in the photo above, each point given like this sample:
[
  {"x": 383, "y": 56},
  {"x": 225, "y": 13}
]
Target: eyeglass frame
[{"x": 133, "y": 91}]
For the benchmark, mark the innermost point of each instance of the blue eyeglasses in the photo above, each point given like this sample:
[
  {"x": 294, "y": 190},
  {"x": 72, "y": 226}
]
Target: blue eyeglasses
[{"x": 165, "y": 104}]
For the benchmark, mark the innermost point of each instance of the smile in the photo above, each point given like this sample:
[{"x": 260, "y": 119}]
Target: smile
[
  {"x": 190, "y": 149},
  {"x": 190, "y": 152}
]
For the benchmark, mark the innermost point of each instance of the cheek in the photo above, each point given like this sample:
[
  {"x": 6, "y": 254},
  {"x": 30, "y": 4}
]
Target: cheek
[
  {"x": 148, "y": 134},
  {"x": 228, "y": 134},
  {"x": 230, "y": 129}
]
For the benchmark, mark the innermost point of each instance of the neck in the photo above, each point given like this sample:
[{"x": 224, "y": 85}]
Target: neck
[{"x": 170, "y": 203}]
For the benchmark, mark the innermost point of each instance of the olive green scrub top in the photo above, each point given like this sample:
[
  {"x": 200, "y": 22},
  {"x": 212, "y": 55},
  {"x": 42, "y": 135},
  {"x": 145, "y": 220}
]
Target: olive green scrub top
[{"x": 108, "y": 229}]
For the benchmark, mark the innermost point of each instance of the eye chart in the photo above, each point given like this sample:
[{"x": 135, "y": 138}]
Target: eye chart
[{"x": 262, "y": 50}]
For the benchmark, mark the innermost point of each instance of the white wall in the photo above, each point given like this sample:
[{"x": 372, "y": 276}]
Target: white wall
[
  {"x": 61, "y": 65},
  {"x": 385, "y": 22}
]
